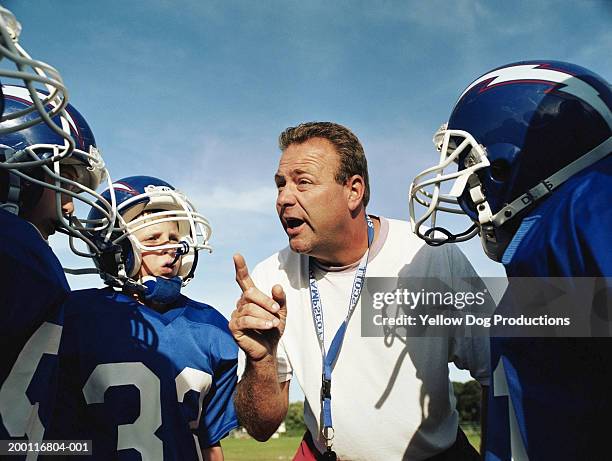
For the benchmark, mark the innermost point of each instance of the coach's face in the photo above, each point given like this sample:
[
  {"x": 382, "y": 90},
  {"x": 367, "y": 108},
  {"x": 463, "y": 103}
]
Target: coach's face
[{"x": 311, "y": 205}]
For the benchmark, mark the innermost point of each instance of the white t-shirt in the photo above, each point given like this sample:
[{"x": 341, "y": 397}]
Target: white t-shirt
[{"x": 391, "y": 400}]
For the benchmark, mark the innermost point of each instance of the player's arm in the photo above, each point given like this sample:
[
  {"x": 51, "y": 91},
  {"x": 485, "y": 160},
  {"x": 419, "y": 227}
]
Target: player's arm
[
  {"x": 257, "y": 325},
  {"x": 213, "y": 453}
]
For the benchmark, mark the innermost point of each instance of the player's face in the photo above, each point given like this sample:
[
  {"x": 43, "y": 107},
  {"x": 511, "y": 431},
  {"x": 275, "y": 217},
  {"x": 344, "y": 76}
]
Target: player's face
[
  {"x": 159, "y": 263},
  {"x": 311, "y": 205},
  {"x": 44, "y": 214}
]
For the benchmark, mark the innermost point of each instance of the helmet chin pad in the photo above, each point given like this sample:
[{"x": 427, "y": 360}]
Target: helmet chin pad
[
  {"x": 161, "y": 290},
  {"x": 495, "y": 240}
]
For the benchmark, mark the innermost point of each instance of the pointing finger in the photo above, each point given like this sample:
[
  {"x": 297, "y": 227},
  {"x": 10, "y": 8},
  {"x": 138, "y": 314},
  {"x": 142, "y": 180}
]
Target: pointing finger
[{"x": 242, "y": 273}]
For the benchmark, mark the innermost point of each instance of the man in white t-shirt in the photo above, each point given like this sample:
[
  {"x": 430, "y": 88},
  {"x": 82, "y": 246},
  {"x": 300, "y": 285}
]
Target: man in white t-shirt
[{"x": 389, "y": 399}]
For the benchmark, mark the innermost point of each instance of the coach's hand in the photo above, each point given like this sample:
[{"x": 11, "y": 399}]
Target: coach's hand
[{"x": 258, "y": 321}]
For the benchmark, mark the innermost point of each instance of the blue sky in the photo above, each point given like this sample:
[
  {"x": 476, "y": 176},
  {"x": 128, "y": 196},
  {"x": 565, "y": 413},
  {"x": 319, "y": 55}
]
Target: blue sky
[{"x": 196, "y": 92}]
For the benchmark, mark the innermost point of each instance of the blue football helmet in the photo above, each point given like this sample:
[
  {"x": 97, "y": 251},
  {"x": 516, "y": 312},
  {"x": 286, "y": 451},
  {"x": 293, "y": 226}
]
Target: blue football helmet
[
  {"x": 21, "y": 188},
  {"x": 515, "y": 134},
  {"x": 47, "y": 94},
  {"x": 143, "y": 201}
]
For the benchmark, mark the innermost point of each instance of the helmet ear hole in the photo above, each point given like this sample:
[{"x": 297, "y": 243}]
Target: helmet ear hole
[
  {"x": 500, "y": 169},
  {"x": 29, "y": 193}
]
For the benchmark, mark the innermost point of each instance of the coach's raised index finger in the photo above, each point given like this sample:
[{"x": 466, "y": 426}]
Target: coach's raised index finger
[{"x": 242, "y": 273}]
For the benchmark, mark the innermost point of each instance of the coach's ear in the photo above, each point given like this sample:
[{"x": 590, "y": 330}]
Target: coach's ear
[{"x": 355, "y": 190}]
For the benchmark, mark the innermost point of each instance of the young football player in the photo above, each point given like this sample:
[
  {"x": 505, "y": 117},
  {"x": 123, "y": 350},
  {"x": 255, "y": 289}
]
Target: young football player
[
  {"x": 532, "y": 143},
  {"x": 144, "y": 370},
  {"x": 47, "y": 156},
  {"x": 34, "y": 203}
]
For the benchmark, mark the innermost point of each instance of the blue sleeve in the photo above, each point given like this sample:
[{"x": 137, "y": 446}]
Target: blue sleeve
[
  {"x": 568, "y": 235},
  {"x": 218, "y": 413},
  {"x": 594, "y": 222},
  {"x": 32, "y": 281}
]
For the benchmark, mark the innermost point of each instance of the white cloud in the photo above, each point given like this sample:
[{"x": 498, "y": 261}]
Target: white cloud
[
  {"x": 460, "y": 15},
  {"x": 594, "y": 52},
  {"x": 258, "y": 199}
]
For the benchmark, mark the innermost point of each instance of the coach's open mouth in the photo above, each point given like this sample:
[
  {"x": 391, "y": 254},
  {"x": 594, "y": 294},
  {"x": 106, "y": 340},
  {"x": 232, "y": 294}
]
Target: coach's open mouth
[
  {"x": 293, "y": 226},
  {"x": 293, "y": 223}
]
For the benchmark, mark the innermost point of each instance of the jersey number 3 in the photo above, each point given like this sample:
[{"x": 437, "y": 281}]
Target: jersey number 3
[{"x": 140, "y": 434}]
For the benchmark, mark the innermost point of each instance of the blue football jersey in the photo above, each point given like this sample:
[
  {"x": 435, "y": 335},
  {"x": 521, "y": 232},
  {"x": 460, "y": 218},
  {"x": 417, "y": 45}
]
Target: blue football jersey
[
  {"x": 142, "y": 384},
  {"x": 32, "y": 290},
  {"x": 550, "y": 397}
]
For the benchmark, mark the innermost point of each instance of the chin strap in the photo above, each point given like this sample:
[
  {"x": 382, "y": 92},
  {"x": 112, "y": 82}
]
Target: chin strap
[
  {"x": 161, "y": 290},
  {"x": 431, "y": 240}
]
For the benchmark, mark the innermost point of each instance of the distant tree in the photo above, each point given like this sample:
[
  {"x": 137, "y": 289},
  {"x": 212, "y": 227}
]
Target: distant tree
[
  {"x": 294, "y": 422},
  {"x": 468, "y": 401}
]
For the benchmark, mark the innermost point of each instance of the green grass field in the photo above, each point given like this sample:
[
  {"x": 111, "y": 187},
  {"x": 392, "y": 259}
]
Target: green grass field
[
  {"x": 473, "y": 435},
  {"x": 283, "y": 449},
  {"x": 250, "y": 450}
]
